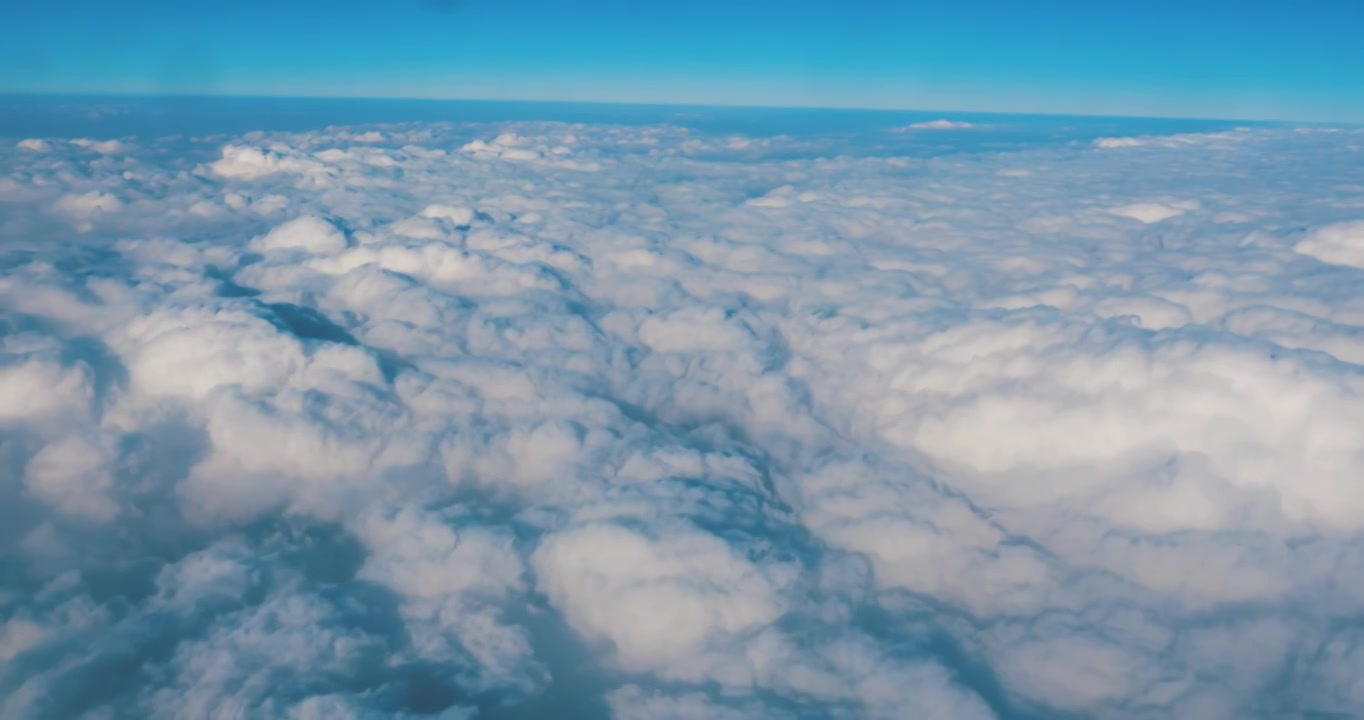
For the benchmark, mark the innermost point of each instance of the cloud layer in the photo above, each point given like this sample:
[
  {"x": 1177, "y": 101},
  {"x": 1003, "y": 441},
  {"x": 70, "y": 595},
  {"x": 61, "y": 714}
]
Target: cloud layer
[{"x": 548, "y": 420}]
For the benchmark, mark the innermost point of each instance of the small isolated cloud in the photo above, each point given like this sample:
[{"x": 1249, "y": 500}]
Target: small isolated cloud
[
  {"x": 1153, "y": 212},
  {"x": 609, "y": 420},
  {"x": 103, "y": 147},
  {"x": 1121, "y": 142},
  {"x": 939, "y": 125},
  {"x": 34, "y": 145}
]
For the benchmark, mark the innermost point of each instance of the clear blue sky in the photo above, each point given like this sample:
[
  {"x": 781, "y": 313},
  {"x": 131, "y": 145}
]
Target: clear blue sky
[{"x": 1246, "y": 59}]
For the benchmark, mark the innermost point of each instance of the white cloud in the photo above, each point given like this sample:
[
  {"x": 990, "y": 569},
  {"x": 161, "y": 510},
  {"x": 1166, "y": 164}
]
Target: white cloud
[
  {"x": 455, "y": 214},
  {"x": 34, "y": 145},
  {"x": 609, "y": 420},
  {"x": 38, "y": 386},
  {"x": 512, "y": 147},
  {"x": 663, "y": 604},
  {"x": 1215, "y": 139},
  {"x": 73, "y": 475},
  {"x": 1337, "y": 243},
  {"x": 250, "y": 163},
  {"x": 87, "y": 205},
  {"x": 939, "y": 125},
  {"x": 1122, "y": 142},
  {"x": 103, "y": 147},
  {"x": 310, "y": 234},
  {"x": 1149, "y": 212}
]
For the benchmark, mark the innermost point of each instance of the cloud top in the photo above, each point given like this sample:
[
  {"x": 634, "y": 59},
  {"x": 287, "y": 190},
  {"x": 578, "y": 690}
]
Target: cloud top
[
  {"x": 1336, "y": 243},
  {"x": 538, "y": 419}
]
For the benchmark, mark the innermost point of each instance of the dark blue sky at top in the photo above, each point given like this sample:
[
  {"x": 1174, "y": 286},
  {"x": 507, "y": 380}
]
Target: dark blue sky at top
[{"x": 1251, "y": 59}]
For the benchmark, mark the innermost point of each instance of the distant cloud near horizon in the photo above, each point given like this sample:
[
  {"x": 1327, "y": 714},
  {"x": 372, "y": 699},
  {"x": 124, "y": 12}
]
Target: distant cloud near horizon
[
  {"x": 939, "y": 125},
  {"x": 635, "y": 420}
]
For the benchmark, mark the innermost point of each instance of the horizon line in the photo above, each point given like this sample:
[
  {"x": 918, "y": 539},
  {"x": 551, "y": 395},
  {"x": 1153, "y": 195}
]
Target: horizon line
[{"x": 655, "y": 104}]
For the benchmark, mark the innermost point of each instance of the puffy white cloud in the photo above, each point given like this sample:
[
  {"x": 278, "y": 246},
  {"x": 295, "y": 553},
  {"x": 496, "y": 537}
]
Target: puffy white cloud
[
  {"x": 455, "y": 214},
  {"x": 309, "y": 234},
  {"x": 37, "y": 388},
  {"x": 610, "y": 420},
  {"x": 74, "y": 476},
  {"x": 1336, "y": 243},
  {"x": 455, "y": 577},
  {"x": 247, "y": 163},
  {"x": 190, "y": 351},
  {"x": 661, "y": 603},
  {"x": 1106, "y": 407},
  {"x": 87, "y": 205},
  {"x": 512, "y": 147}
]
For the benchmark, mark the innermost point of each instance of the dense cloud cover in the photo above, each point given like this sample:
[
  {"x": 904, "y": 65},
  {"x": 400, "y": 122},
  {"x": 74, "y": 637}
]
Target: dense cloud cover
[{"x": 631, "y": 421}]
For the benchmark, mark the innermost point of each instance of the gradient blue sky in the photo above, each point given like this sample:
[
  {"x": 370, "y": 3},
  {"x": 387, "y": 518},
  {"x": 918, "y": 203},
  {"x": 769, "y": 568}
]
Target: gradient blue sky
[{"x": 1245, "y": 59}]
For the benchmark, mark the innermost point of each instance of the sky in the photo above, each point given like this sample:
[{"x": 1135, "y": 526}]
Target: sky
[{"x": 1236, "y": 59}]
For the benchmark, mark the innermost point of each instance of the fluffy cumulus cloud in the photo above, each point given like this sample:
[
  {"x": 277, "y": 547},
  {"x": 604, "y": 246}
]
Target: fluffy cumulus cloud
[{"x": 547, "y": 420}]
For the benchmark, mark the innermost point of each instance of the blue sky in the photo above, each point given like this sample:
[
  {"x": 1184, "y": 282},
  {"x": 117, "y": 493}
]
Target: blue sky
[{"x": 1251, "y": 59}]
